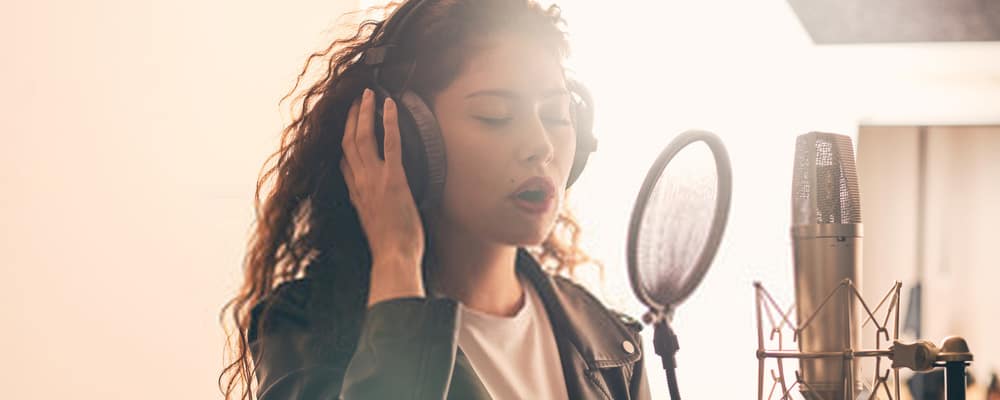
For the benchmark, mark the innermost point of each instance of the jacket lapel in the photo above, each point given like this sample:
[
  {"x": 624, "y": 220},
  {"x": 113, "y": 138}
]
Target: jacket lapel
[
  {"x": 589, "y": 337},
  {"x": 465, "y": 383}
]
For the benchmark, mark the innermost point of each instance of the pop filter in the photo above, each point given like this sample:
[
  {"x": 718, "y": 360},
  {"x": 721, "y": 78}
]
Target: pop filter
[{"x": 675, "y": 230}]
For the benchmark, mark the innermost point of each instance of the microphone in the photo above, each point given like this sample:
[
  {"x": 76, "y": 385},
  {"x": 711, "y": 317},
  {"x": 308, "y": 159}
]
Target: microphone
[{"x": 826, "y": 248}]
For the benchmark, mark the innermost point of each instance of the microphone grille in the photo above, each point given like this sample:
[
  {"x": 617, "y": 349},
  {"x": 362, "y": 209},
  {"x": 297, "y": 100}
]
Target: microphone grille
[{"x": 825, "y": 182}]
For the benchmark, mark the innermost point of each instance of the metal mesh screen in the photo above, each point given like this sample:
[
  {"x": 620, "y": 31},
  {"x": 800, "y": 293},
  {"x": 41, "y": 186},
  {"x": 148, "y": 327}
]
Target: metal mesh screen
[
  {"x": 675, "y": 227},
  {"x": 824, "y": 161}
]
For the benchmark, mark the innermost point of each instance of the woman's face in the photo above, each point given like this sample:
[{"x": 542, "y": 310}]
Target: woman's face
[{"x": 505, "y": 119}]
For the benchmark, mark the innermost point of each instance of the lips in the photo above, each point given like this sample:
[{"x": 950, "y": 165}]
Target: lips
[{"x": 535, "y": 195}]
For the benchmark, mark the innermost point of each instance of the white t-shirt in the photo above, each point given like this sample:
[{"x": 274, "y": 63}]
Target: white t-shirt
[{"x": 516, "y": 357}]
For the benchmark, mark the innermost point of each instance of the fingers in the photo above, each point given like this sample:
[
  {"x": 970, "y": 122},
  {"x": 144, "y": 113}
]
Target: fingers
[
  {"x": 393, "y": 153},
  {"x": 365, "y": 134},
  {"x": 350, "y": 150},
  {"x": 352, "y": 120},
  {"x": 345, "y": 169},
  {"x": 361, "y": 161}
]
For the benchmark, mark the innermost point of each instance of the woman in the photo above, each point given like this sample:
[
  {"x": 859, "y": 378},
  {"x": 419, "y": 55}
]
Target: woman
[{"x": 362, "y": 282}]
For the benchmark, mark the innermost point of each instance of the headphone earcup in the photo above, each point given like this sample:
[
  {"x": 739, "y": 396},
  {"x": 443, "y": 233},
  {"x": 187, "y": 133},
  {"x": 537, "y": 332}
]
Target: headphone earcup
[
  {"x": 424, "y": 158},
  {"x": 426, "y": 130},
  {"x": 422, "y": 146},
  {"x": 582, "y": 112}
]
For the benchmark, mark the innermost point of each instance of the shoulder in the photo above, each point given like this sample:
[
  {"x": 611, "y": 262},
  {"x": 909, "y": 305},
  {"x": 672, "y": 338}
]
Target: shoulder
[
  {"x": 630, "y": 322},
  {"x": 286, "y": 305},
  {"x": 576, "y": 290}
]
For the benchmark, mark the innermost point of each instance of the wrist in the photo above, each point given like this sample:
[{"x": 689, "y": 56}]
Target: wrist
[
  {"x": 395, "y": 278},
  {"x": 396, "y": 260}
]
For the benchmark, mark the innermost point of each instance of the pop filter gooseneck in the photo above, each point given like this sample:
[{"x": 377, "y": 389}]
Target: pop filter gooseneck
[{"x": 675, "y": 230}]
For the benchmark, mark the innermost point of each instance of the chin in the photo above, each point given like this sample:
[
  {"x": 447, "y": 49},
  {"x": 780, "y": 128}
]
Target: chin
[{"x": 527, "y": 235}]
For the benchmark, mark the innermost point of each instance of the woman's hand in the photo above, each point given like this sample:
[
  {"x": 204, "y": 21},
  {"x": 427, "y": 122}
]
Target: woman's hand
[{"x": 381, "y": 195}]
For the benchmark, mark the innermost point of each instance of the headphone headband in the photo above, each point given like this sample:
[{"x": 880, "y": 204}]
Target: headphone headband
[
  {"x": 424, "y": 158},
  {"x": 376, "y": 56}
]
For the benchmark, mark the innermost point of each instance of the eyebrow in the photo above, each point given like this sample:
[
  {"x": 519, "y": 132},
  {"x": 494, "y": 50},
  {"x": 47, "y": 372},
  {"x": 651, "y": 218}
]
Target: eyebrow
[{"x": 513, "y": 95}]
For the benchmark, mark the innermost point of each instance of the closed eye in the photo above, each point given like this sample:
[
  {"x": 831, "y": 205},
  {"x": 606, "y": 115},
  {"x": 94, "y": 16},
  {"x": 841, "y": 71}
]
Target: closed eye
[{"x": 494, "y": 121}]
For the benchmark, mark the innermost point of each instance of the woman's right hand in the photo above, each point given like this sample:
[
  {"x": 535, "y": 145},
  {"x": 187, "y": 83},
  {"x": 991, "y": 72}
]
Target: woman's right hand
[{"x": 380, "y": 193}]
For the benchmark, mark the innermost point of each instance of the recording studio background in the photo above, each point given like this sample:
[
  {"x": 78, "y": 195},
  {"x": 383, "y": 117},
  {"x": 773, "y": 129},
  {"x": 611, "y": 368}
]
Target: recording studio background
[{"x": 133, "y": 133}]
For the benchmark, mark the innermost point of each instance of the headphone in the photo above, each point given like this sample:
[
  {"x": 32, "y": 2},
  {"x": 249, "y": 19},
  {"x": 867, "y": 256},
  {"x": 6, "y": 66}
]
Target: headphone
[{"x": 422, "y": 146}]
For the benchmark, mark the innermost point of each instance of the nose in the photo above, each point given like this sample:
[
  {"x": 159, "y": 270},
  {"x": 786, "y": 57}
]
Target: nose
[{"x": 537, "y": 146}]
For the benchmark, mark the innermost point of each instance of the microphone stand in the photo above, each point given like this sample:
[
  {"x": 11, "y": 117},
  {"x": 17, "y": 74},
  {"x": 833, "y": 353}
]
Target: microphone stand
[
  {"x": 665, "y": 344},
  {"x": 953, "y": 355}
]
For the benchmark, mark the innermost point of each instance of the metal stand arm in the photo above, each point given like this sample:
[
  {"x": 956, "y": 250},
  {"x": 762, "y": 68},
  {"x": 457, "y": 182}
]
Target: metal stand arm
[{"x": 666, "y": 346}]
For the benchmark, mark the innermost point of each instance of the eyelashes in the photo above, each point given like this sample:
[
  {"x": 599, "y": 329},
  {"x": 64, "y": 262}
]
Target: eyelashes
[
  {"x": 494, "y": 122},
  {"x": 504, "y": 121}
]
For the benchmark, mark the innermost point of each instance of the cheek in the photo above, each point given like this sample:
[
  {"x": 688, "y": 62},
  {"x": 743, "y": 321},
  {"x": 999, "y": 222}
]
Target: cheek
[
  {"x": 475, "y": 195},
  {"x": 476, "y": 165}
]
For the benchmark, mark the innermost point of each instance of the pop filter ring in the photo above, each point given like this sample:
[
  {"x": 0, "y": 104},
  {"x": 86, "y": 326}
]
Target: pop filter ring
[
  {"x": 664, "y": 340},
  {"x": 721, "y": 215}
]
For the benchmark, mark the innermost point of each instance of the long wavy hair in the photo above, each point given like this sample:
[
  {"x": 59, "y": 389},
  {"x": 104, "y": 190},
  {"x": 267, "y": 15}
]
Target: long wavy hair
[{"x": 307, "y": 213}]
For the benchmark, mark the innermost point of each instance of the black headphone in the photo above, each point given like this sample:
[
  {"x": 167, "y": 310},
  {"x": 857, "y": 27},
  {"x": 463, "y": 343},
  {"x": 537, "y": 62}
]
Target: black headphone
[{"x": 423, "y": 150}]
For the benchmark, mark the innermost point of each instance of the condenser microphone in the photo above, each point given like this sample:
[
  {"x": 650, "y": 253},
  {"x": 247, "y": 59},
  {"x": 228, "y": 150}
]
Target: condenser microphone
[{"x": 826, "y": 248}]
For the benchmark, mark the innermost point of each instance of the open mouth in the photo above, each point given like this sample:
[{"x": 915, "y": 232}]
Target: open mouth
[{"x": 534, "y": 196}]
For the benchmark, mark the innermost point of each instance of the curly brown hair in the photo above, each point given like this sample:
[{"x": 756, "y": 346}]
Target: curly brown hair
[{"x": 304, "y": 215}]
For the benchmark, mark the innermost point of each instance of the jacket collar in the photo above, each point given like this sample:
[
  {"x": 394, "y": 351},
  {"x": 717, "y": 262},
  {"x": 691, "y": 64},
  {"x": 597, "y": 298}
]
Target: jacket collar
[{"x": 597, "y": 334}]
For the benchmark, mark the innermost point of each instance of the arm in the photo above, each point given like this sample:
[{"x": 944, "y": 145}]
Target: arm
[
  {"x": 281, "y": 349},
  {"x": 406, "y": 350}
]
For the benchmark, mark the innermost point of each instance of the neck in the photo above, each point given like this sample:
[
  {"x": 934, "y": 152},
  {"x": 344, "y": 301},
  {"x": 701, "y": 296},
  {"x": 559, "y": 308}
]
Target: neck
[{"x": 481, "y": 275}]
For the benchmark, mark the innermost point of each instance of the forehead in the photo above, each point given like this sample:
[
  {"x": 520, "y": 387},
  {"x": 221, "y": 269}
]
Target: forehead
[{"x": 511, "y": 61}]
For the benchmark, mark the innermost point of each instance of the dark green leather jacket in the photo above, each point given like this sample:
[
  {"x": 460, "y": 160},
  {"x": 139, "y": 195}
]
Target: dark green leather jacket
[{"x": 407, "y": 348}]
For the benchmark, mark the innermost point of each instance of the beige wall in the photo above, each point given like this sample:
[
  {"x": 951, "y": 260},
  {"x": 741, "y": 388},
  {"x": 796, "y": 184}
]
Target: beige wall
[
  {"x": 960, "y": 277},
  {"x": 887, "y": 170},
  {"x": 132, "y": 133}
]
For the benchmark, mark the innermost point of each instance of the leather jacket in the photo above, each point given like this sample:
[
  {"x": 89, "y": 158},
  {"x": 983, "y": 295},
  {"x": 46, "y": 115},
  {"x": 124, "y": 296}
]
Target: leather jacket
[{"x": 407, "y": 348}]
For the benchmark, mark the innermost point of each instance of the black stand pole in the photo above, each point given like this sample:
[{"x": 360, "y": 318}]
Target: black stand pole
[
  {"x": 954, "y": 380},
  {"x": 666, "y": 346}
]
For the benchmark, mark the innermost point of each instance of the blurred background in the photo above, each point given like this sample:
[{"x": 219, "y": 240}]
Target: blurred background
[{"x": 133, "y": 133}]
